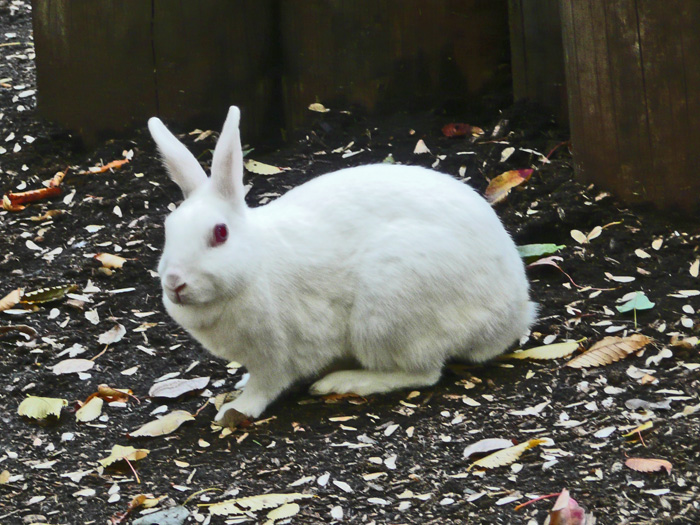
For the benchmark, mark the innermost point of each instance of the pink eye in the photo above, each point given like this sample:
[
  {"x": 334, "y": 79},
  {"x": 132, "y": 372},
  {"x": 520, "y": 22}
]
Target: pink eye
[{"x": 220, "y": 234}]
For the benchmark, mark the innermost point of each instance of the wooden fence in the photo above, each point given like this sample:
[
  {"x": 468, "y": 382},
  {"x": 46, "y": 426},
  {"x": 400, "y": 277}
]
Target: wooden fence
[{"x": 626, "y": 73}]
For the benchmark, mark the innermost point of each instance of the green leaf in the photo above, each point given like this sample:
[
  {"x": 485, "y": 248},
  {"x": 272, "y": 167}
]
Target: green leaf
[
  {"x": 639, "y": 302},
  {"x": 46, "y": 295},
  {"x": 528, "y": 251}
]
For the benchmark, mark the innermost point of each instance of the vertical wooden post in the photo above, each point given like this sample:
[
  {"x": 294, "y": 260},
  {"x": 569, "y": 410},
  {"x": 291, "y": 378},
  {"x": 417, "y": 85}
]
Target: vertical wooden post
[
  {"x": 537, "y": 54},
  {"x": 633, "y": 72}
]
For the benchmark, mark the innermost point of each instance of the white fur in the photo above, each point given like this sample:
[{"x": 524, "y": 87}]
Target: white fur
[{"x": 397, "y": 268}]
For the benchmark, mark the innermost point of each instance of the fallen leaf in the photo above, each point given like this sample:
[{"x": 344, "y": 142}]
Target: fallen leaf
[
  {"x": 609, "y": 350},
  {"x": 506, "y": 456},
  {"x": 49, "y": 294},
  {"x": 112, "y": 336},
  {"x": 648, "y": 464},
  {"x": 22, "y": 328},
  {"x": 285, "y": 511},
  {"x": 566, "y": 511},
  {"x": 10, "y": 300},
  {"x": 165, "y": 425},
  {"x": 4, "y": 477},
  {"x": 259, "y": 168},
  {"x": 17, "y": 200},
  {"x": 485, "y": 446},
  {"x": 252, "y": 503},
  {"x": 421, "y": 148},
  {"x": 318, "y": 108},
  {"x": 176, "y": 387},
  {"x": 90, "y": 410},
  {"x": 529, "y": 251},
  {"x": 500, "y": 186},
  {"x": 110, "y": 261},
  {"x": 115, "y": 164},
  {"x": 41, "y": 407},
  {"x": 638, "y": 430},
  {"x": 554, "y": 351},
  {"x": 72, "y": 366},
  {"x": 120, "y": 453},
  {"x": 459, "y": 129},
  {"x": 695, "y": 268}
]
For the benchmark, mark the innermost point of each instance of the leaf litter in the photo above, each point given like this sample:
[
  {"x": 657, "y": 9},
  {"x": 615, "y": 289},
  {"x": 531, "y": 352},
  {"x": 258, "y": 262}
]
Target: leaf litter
[{"x": 297, "y": 439}]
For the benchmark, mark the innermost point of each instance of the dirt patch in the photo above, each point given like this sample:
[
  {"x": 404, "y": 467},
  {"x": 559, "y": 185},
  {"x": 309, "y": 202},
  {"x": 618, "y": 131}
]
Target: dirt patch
[{"x": 394, "y": 458}]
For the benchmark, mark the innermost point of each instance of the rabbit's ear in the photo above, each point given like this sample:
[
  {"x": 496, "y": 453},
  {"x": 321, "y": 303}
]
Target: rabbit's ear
[
  {"x": 182, "y": 166},
  {"x": 227, "y": 164}
]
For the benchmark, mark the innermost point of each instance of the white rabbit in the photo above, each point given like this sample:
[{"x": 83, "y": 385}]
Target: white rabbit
[{"x": 393, "y": 268}]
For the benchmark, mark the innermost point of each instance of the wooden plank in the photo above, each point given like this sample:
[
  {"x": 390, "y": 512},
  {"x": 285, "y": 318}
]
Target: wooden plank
[
  {"x": 537, "y": 55},
  {"x": 94, "y": 64},
  {"x": 211, "y": 54},
  {"x": 389, "y": 55}
]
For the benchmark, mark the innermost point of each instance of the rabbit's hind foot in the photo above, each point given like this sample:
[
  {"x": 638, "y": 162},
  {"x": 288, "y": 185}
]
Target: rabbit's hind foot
[{"x": 366, "y": 382}]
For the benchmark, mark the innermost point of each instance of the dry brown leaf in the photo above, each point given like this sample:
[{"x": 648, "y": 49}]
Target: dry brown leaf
[
  {"x": 176, "y": 387},
  {"x": 553, "y": 351},
  {"x": 609, "y": 350},
  {"x": 120, "y": 453},
  {"x": 167, "y": 424},
  {"x": 240, "y": 506},
  {"x": 506, "y": 456},
  {"x": 112, "y": 336},
  {"x": 23, "y": 328},
  {"x": 10, "y": 300},
  {"x": 649, "y": 464},
  {"x": 110, "y": 261}
]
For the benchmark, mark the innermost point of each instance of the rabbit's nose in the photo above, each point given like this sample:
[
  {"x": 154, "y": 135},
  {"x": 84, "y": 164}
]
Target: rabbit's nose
[{"x": 174, "y": 281}]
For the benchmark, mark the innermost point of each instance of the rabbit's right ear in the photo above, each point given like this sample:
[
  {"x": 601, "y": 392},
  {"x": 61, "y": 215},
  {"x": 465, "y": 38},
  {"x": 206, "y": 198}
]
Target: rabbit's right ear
[
  {"x": 227, "y": 163},
  {"x": 182, "y": 166}
]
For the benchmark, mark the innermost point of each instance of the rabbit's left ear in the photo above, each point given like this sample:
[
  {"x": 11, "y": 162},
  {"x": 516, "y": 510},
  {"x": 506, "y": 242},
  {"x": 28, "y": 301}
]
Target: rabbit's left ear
[{"x": 227, "y": 164}]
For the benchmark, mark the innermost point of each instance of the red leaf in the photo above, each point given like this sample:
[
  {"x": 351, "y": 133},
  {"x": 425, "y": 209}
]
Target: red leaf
[{"x": 459, "y": 129}]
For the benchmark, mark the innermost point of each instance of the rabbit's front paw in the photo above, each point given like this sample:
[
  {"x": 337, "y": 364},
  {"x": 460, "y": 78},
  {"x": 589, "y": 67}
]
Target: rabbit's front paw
[{"x": 228, "y": 416}]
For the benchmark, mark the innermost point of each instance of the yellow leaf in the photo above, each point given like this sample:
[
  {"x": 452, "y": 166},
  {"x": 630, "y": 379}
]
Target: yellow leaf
[
  {"x": 579, "y": 236},
  {"x": 641, "y": 428},
  {"x": 110, "y": 261},
  {"x": 554, "y": 351},
  {"x": 41, "y": 407},
  {"x": 252, "y": 503},
  {"x": 10, "y": 300},
  {"x": 259, "y": 168},
  {"x": 120, "y": 453},
  {"x": 506, "y": 456},
  {"x": 609, "y": 350},
  {"x": 285, "y": 511},
  {"x": 318, "y": 108},
  {"x": 90, "y": 410},
  {"x": 648, "y": 464},
  {"x": 500, "y": 186},
  {"x": 4, "y": 477},
  {"x": 167, "y": 424}
]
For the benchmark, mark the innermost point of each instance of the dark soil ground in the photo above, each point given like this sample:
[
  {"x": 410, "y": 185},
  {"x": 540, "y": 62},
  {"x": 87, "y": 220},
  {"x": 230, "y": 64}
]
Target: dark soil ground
[{"x": 394, "y": 458}]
